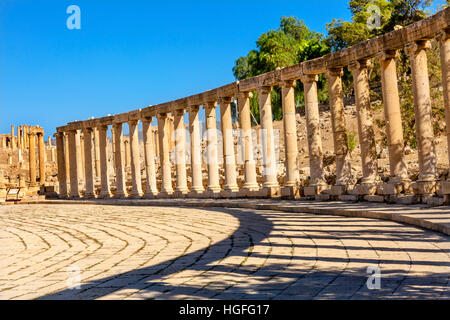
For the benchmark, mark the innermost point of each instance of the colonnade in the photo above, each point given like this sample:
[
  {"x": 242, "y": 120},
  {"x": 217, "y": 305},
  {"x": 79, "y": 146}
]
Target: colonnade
[{"x": 415, "y": 39}]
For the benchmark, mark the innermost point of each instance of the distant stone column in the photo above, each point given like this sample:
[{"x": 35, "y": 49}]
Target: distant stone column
[
  {"x": 196, "y": 151},
  {"x": 104, "y": 168},
  {"x": 119, "y": 161},
  {"x": 424, "y": 119},
  {"x": 127, "y": 152},
  {"x": 62, "y": 178},
  {"x": 163, "y": 133},
  {"x": 97, "y": 153},
  {"x": 393, "y": 116},
  {"x": 67, "y": 160},
  {"x": 339, "y": 126},
  {"x": 74, "y": 162},
  {"x": 318, "y": 183},
  {"x": 13, "y": 139},
  {"x": 180, "y": 153},
  {"x": 32, "y": 158},
  {"x": 88, "y": 163},
  {"x": 270, "y": 185},
  {"x": 19, "y": 137},
  {"x": 211, "y": 150},
  {"x": 41, "y": 147},
  {"x": 365, "y": 127},
  {"x": 250, "y": 183},
  {"x": 444, "y": 41},
  {"x": 151, "y": 188},
  {"x": 80, "y": 160},
  {"x": 136, "y": 179},
  {"x": 290, "y": 132},
  {"x": 228, "y": 145}
]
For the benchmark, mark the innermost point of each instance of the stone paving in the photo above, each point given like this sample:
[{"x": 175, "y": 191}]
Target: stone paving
[{"x": 151, "y": 252}]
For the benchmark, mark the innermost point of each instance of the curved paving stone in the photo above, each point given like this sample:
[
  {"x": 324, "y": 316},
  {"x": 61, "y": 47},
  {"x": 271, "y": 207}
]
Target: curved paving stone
[{"x": 129, "y": 252}]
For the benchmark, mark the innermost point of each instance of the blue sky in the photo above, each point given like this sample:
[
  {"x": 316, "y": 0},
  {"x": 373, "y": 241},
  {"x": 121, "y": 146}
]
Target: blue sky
[{"x": 128, "y": 54}]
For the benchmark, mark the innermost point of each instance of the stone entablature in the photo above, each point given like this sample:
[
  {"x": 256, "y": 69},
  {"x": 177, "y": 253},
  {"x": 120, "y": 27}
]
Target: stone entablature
[{"x": 414, "y": 38}]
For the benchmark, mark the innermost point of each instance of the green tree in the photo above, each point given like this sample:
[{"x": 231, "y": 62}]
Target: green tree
[{"x": 292, "y": 43}]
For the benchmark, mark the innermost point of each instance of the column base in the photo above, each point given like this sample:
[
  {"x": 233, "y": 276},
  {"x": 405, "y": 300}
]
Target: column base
[
  {"x": 150, "y": 195},
  {"x": 90, "y": 196},
  {"x": 166, "y": 194},
  {"x": 395, "y": 187},
  {"x": 181, "y": 193},
  {"x": 120, "y": 195},
  {"x": 135, "y": 196},
  {"x": 338, "y": 190},
  {"x": 312, "y": 191},
  {"x": 196, "y": 193},
  {"x": 105, "y": 195},
  {"x": 251, "y": 192},
  {"x": 290, "y": 192},
  {"x": 268, "y": 192},
  {"x": 424, "y": 187},
  {"x": 366, "y": 189},
  {"x": 212, "y": 193},
  {"x": 445, "y": 188}
]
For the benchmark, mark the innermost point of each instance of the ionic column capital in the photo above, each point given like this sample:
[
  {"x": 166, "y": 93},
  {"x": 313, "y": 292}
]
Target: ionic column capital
[
  {"x": 244, "y": 95},
  {"x": 194, "y": 108},
  {"x": 388, "y": 55},
  {"x": 162, "y": 116},
  {"x": 334, "y": 72},
  {"x": 264, "y": 90},
  {"x": 359, "y": 65},
  {"x": 133, "y": 122},
  {"x": 179, "y": 112},
  {"x": 443, "y": 35},
  {"x": 309, "y": 78},
  {"x": 224, "y": 100},
  {"x": 88, "y": 129},
  {"x": 414, "y": 47},
  {"x": 147, "y": 119},
  {"x": 288, "y": 84},
  {"x": 210, "y": 105}
]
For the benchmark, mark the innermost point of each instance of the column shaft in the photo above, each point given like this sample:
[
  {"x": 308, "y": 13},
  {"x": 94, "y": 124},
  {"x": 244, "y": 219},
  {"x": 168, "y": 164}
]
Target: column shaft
[
  {"x": 104, "y": 168},
  {"x": 313, "y": 130},
  {"x": 88, "y": 163},
  {"x": 267, "y": 138},
  {"x": 151, "y": 189},
  {"x": 251, "y": 183},
  {"x": 163, "y": 133},
  {"x": 392, "y": 113},
  {"x": 118, "y": 161},
  {"x": 62, "y": 178},
  {"x": 196, "y": 150},
  {"x": 97, "y": 153},
  {"x": 136, "y": 178},
  {"x": 365, "y": 125},
  {"x": 211, "y": 151},
  {"x": 180, "y": 152},
  {"x": 290, "y": 132},
  {"x": 74, "y": 162},
  {"x": 41, "y": 148},
  {"x": 228, "y": 146}
]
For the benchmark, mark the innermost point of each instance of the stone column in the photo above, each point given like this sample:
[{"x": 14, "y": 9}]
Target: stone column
[
  {"x": 62, "y": 178},
  {"x": 104, "y": 168},
  {"x": 127, "y": 152},
  {"x": 74, "y": 162},
  {"x": 97, "y": 153},
  {"x": 88, "y": 163},
  {"x": 136, "y": 180},
  {"x": 290, "y": 138},
  {"x": 19, "y": 137},
  {"x": 365, "y": 128},
  {"x": 13, "y": 139},
  {"x": 80, "y": 159},
  {"x": 118, "y": 161},
  {"x": 196, "y": 152},
  {"x": 339, "y": 126},
  {"x": 32, "y": 158},
  {"x": 67, "y": 160},
  {"x": 270, "y": 186},
  {"x": 424, "y": 119},
  {"x": 163, "y": 133},
  {"x": 229, "y": 158},
  {"x": 251, "y": 184},
  {"x": 211, "y": 150},
  {"x": 180, "y": 153},
  {"x": 393, "y": 117},
  {"x": 444, "y": 41},
  {"x": 317, "y": 184},
  {"x": 41, "y": 148},
  {"x": 151, "y": 189}
]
